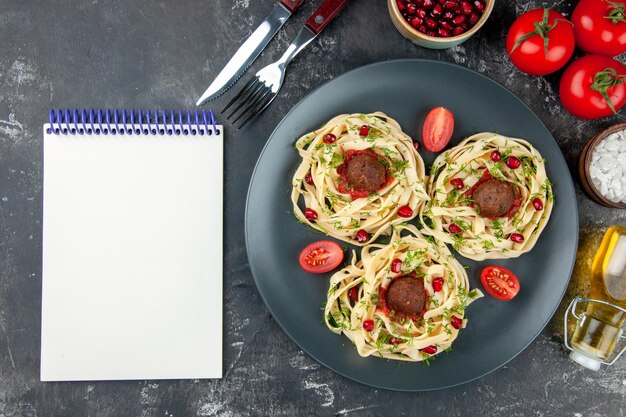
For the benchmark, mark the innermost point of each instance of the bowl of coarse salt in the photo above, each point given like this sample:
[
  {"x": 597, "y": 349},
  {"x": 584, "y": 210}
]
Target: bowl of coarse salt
[{"x": 602, "y": 167}]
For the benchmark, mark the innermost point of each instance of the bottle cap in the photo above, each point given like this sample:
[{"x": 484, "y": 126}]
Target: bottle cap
[{"x": 585, "y": 361}]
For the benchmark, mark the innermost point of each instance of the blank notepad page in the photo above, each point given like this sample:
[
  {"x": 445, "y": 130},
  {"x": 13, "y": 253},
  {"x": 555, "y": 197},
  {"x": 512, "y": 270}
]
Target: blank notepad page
[{"x": 132, "y": 257}]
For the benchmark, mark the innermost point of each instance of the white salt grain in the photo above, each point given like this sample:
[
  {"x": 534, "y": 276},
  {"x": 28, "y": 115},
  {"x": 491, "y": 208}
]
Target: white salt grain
[{"x": 608, "y": 167}]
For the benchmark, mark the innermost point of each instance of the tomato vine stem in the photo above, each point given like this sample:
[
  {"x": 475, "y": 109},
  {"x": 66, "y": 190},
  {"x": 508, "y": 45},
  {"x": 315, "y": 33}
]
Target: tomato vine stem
[
  {"x": 616, "y": 12},
  {"x": 605, "y": 80}
]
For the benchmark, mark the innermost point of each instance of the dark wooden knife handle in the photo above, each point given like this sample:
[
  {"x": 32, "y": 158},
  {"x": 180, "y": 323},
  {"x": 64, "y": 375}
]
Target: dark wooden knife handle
[
  {"x": 292, "y": 5},
  {"x": 324, "y": 14}
]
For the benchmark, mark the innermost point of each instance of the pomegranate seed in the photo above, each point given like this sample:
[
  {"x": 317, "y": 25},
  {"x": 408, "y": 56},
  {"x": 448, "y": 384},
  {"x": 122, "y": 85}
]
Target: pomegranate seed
[
  {"x": 454, "y": 229},
  {"x": 421, "y": 13},
  {"x": 436, "y": 11},
  {"x": 364, "y": 130},
  {"x": 309, "y": 179},
  {"x": 457, "y": 183},
  {"x": 457, "y": 31},
  {"x": 329, "y": 138},
  {"x": 538, "y": 204},
  {"x": 449, "y": 5},
  {"x": 456, "y": 322},
  {"x": 419, "y": 3},
  {"x": 430, "y": 23},
  {"x": 429, "y": 350},
  {"x": 416, "y": 145},
  {"x": 512, "y": 162},
  {"x": 400, "y": 5},
  {"x": 422, "y": 29},
  {"x": 310, "y": 214},
  {"x": 437, "y": 284},
  {"x": 445, "y": 25},
  {"x": 473, "y": 18},
  {"x": 411, "y": 8},
  {"x": 405, "y": 211},
  {"x": 416, "y": 22},
  {"x": 448, "y": 15},
  {"x": 428, "y": 4},
  {"x": 466, "y": 7},
  {"x": 368, "y": 325},
  {"x": 517, "y": 238},
  {"x": 479, "y": 5},
  {"x": 362, "y": 236},
  {"x": 353, "y": 294},
  {"x": 458, "y": 20},
  {"x": 443, "y": 33},
  {"x": 495, "y": 156},
  {"x": 431, "y": 33},
  {"x": 396, "y": 265},
  {"x": 395, "y": 341}
]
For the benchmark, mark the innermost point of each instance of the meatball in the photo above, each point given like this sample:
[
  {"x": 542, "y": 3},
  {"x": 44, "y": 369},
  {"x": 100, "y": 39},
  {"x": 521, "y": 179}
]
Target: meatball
[
  {"x": 365, "y": 172},
  {"x": 406, "y": 295},
  {"x": 494, "y": 198}
]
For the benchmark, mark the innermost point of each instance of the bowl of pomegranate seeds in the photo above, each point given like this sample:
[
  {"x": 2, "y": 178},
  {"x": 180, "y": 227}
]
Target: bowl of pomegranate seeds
[{"x": 439, "y": 24}]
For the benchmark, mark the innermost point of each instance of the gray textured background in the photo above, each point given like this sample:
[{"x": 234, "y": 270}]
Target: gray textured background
[{"x": 149, "y": 54}]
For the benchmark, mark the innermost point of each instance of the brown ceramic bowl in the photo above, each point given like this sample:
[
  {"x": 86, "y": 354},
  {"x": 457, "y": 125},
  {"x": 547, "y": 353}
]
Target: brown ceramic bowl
[
  {"x": 585, "y": 161},
  {"x": 434, "y": 42}
]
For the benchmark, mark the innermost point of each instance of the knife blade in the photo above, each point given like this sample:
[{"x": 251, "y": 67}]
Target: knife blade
[{"x": 250, "y": 50}]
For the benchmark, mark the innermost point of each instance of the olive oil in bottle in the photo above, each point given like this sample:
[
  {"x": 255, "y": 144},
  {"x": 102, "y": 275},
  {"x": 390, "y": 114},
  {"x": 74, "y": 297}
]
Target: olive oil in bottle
[{"x": 600, "y": 327}]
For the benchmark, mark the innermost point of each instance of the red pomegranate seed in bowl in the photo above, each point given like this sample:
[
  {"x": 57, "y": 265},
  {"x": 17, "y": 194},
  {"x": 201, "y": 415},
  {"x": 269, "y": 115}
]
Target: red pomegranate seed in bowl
[
  {"x": 416, "y": 22},
  {"x": 443, "y": 32},
  {"x": 466, "y": 7},
  {"x": 329, "y": 138},
  {"x": 368, "y": 325},
  {"x": 458, "y": 20},
  {"x": 473, "y": 18},
  {"x": 395, "y": 341},
  {"x": 364, "y": 130},
  {"x": 517, "y": 237},
  {"x": 448, "y": 15},
  {"x": 436, "y": 11},
  {"x": 449, "y": 5},
  {"x": 309, "y": 179},
  {"x": 400, "y": 5},
  {"x": 446, "y": 25},
  {"x": 495, "y": 156},
  {"x": 537, "y": 204},
  {"x": 437, "y": 284},
  {"x": 431, "y": 33},
  {"x": 457, "y": 31},
  {"x": 479, "y": 5},
  {"x": 421, "y": 13},
  {"x": 430, "y": 23},
  {"x": 456, "y": 322},
  {"x": 353, "y": 294},
  {"x": 428, "y": 4},
  {"x": 411, "y": 8}
]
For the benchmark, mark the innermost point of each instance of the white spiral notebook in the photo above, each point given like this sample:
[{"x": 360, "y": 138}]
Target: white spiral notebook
[{"x": 132, "y": 246}]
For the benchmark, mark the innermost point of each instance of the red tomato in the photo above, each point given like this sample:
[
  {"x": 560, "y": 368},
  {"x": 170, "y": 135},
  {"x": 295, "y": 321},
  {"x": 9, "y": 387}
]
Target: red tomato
[
  {"x": 437, "y": 129},
  {"x": 593, "y": 87},
  {"x": 540, "y": 41},
  {"x": 321, "y": 256},
  {"x": 499, "y": 282},
  {"x": 600, "y": 26}
]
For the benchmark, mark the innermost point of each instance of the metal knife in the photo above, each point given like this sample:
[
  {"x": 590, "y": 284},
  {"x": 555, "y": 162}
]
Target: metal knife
[{"x": 250, "y": 50}]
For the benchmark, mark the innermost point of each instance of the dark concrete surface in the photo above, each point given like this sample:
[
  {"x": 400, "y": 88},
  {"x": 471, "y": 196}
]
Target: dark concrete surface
[{"x": 157, "y": 54}]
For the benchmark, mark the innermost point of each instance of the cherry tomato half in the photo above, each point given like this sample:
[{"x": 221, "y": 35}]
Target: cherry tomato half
[
  {"x": 499, "y": 282},
  {"x": 593, "y": 87},
  {"x": 321, "y": 256},
  {"x": 600, "y": 26},
  {"x": 540, "y": 41},
  {"x": 438, "y": 128}
]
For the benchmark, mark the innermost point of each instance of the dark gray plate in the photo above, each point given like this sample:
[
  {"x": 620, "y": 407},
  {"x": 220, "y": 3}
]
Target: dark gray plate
[{"x": 406, "y": 90}]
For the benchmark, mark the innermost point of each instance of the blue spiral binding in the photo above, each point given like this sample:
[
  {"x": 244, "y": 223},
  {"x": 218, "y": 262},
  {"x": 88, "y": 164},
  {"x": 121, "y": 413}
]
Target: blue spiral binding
[{"x": 120, "y": 122}]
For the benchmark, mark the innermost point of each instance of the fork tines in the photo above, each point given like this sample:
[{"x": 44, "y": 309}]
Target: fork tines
[{"x": 254, "y": 97}]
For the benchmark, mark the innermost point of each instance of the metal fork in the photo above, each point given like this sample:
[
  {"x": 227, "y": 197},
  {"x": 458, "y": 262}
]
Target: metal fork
[{"x": 262, "y": 89}]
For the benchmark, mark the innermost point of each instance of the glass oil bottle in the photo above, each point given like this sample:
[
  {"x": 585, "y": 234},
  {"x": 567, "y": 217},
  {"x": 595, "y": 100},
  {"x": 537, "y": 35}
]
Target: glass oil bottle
[{"x": 599, "y": 326}]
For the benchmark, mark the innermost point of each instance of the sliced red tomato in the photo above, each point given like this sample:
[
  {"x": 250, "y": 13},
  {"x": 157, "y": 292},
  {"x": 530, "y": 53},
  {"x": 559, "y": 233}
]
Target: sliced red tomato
[
  {"x": 600, "y": 26},
  {"x": 540, "y": 41},
  {"x": 593, "y": 86},
  {"x": 321, "y": 256},
  {"x": 499, "y": 282},
  {"x": 438, "y": 128}
]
